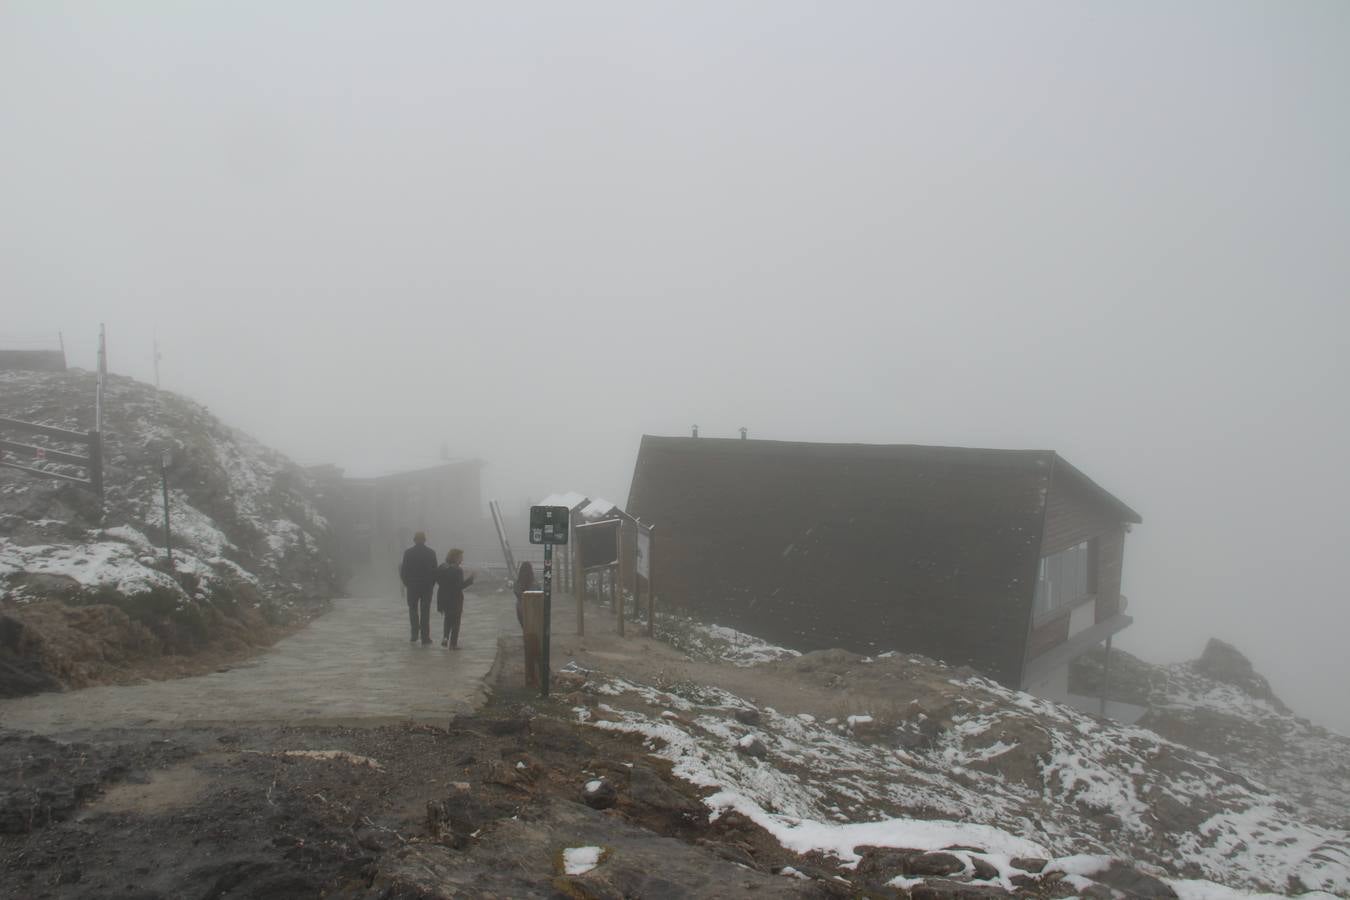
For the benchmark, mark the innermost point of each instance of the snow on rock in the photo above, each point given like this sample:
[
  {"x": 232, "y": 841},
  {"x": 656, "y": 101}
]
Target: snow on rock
[
  {"x": 718, "y": 643},
  {"x": 841, "y": 840},
  {"x": 580, "y": 860},
  {"x": 1006, "y": 772},
  {"x": 89, "y": 565}
]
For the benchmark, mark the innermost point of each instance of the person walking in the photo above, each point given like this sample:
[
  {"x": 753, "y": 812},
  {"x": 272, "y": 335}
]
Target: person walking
[
  {"x": 418, "y": 572},
  {"x": 450, "y": 585}
]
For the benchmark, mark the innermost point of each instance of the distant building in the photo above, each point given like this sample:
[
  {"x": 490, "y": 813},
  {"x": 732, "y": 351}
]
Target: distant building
[
  {"x": 32, "y": 360},
  {"x": 1007, "y": 561},
  {"x": 375, "y": 513}
]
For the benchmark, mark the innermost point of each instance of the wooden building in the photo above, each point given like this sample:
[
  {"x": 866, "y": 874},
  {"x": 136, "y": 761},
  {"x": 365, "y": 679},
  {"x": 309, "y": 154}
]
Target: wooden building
[
  {"x": 375, "y": 514},
  {"x": 1007, "y": 561}
]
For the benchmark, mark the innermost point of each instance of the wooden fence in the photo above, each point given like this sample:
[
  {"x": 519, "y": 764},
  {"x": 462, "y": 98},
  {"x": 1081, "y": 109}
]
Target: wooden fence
[{"x": 29, "y": 457}]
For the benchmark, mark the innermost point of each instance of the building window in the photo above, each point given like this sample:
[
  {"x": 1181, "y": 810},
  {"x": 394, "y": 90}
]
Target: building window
[{"x": 1066, "y": 577}]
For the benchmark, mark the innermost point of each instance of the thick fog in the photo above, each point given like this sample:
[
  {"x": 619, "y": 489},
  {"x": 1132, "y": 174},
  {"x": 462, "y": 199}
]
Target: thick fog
[{"x": 533, "y": 232}]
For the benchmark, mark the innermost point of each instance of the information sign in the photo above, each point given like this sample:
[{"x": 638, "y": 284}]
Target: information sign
[{"x": 548, "y": 524}]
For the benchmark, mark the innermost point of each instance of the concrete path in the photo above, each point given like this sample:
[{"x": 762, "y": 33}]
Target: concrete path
[{"x": 352, "y": 666}]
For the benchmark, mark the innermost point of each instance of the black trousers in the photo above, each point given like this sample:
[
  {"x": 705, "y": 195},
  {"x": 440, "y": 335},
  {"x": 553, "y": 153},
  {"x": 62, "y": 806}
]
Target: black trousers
[
  {"x": 419, "y": 613},
  {"x": 454, "y": 609}
]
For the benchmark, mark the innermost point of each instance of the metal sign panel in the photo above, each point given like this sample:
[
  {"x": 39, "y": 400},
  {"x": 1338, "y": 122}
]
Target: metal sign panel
[
  {"x": 549, "y": 524},
  {"x": 644, "y": 553},
  {"x": 599, "y": 543}
]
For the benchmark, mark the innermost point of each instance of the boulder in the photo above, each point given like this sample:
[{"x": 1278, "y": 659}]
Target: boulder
[
  {"x": 885, "y": 862},
  {"x": 747, "y": 716},
  {"x": 752, "y": 746},
  {"x": 598, "y": 793},
  {"x": 945, "y": 889},
  {"x": 1132, "y": 883}
]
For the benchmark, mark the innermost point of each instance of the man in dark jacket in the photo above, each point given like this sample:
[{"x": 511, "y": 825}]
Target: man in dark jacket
[{"x": 418, "y": 572}]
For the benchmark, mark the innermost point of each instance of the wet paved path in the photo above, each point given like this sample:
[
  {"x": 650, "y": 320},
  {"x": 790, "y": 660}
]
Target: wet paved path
[{"x": 353, "y": 666}]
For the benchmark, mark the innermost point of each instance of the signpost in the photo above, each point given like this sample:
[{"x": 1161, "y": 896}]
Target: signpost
[{"x": 549, "y": 525}]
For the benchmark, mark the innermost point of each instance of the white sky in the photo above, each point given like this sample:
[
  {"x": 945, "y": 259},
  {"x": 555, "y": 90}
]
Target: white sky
[{"x": 535, "y": 231}]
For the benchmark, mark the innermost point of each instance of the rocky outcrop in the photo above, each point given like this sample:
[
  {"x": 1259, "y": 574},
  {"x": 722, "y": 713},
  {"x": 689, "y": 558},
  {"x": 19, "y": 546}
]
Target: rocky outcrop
[
  {"x": 1224, "y": 662},
  {"x": 1220, "y": 704}
]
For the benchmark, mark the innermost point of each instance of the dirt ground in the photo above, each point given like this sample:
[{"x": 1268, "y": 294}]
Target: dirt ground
[
  {"x": 831, "y": 684},
  {"x": 480, "y": 809},
  {"x": 483, "y": 806}
]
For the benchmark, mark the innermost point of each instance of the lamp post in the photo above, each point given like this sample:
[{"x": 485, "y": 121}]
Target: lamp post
[{"x": 165, "y": 459}]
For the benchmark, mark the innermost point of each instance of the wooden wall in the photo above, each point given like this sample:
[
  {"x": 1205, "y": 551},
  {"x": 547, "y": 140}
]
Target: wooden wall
[
  {"x": 921, "y": 549},
  {"x": 1073, "y": 514},
  {"x": 1077, "y": 512}
]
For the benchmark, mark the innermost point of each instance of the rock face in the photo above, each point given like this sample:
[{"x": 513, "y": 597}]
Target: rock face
[{"x": 1223, "y": 662}]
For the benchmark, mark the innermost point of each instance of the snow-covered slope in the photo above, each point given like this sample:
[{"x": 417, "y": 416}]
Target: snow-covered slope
[
  {"x": 244, "y": 518},
  {"x": 1218, "y": 704},
  {"x": 949, "y": 759}
]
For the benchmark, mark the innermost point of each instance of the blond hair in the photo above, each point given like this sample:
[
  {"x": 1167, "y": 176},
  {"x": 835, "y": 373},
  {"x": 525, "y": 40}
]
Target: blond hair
[{"x": 454, "y": 555}]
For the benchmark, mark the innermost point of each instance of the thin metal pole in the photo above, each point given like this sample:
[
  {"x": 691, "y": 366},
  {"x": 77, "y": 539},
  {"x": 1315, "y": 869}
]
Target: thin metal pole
[
  {"x": 102, "y": 377},
  {"x": 1106, "y": 677},
  {"x": 544, "y": 676},
  {"x": 168, "y": 541}
]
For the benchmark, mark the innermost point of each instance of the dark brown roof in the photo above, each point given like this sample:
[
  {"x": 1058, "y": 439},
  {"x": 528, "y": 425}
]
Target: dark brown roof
[{"x": 868, "y": 547}]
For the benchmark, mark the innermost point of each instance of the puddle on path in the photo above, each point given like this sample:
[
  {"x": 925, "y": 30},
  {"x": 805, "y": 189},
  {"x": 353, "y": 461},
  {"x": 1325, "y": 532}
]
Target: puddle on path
[{"x": 168, "y": 789}]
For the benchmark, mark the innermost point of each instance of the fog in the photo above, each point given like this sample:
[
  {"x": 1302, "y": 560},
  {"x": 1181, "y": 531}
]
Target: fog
[{"x": 533, "y": 232}]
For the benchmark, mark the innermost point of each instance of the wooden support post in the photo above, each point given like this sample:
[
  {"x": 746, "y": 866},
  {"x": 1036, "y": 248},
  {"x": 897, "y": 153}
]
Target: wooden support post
[
  {"x": 618, "y": 583},
  {"x": 651, "y": 582},
  {"x": 1106, "y": 677},
  {"x": 578, "y": 578},
  {"x": 633, "y": 572},
  {"x": 96, "y": 466}
]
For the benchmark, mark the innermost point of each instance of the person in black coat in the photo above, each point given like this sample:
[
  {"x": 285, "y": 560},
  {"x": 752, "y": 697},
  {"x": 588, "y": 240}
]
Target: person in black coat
[
  {"x": 418, "y": 572},
  {"x": 450, "y": 585}
]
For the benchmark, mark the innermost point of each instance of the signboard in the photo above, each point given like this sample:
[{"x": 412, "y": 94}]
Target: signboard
[
  {"x": 644, "y": 553},
  {"x": 549, "y": 524},
  {"x": 598, "y": 543}
]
